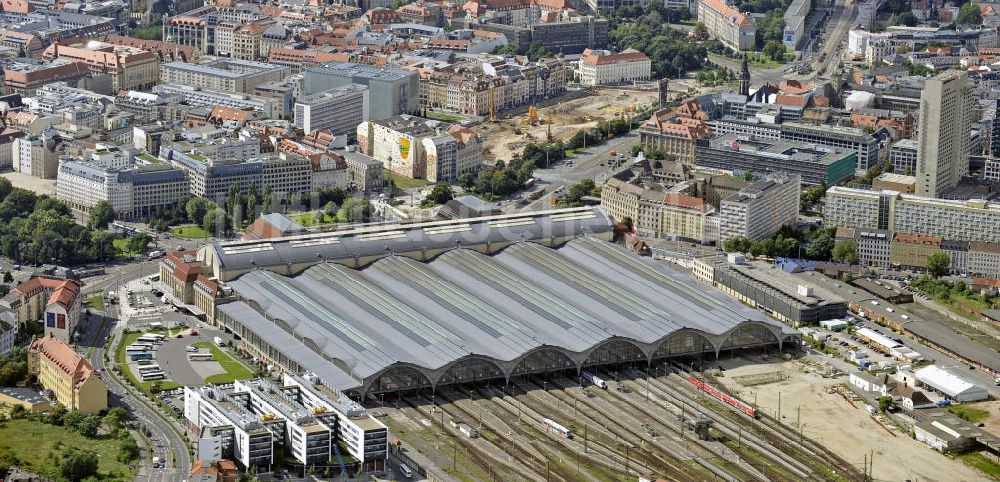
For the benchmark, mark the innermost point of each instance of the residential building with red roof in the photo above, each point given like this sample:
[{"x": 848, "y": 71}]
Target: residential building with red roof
[
  {"x": 734, "y": 29},
  {"x": 602, "y": 67},
  {"x": 675, "y": 132},
  {"x": 68, "y": 375},
  {"x": 188, "y": 280},
  {"x": 53, "y": 301}
]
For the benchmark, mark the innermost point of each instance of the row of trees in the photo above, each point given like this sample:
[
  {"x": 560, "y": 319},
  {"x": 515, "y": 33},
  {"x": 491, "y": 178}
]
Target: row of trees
[
  {"x": 820, "y": 245},
  {"x": 644, "y": 29},
  {"x": 572, "y": 196}
]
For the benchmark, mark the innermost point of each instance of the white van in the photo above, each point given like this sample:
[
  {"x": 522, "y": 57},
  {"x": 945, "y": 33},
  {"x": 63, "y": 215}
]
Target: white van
[{"x": 405, "y": 471}]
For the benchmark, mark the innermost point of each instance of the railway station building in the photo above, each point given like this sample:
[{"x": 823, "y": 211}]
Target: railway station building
[{"x": 389, "y": 308}]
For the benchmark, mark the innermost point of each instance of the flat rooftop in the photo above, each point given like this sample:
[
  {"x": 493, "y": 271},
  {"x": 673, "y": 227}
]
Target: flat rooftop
[
  {"x": 786, "y": 283},
  {"x": 777, "y": 149}
]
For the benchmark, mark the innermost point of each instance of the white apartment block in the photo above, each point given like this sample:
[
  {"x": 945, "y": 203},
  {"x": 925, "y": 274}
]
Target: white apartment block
[
  {"x": 602, "y": 67},
  {"x": 8, "y": 332},
  {"x": 983, "y": 259},
  {"x": 878, "y": 47},
  {"x": 135, "y": 190},
  {"x": 991, "y": 172},
  {"x": 224, "y": 75},
  {"x": 759, "y": 211},
  {"x": 972, "y": 220},
  {"x": 338, "y": 110},
  {"x": 245, "y": 437}
]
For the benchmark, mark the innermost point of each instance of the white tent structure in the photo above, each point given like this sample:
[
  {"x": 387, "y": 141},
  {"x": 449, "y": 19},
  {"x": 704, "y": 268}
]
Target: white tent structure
[{"x": 951, "y": 385}]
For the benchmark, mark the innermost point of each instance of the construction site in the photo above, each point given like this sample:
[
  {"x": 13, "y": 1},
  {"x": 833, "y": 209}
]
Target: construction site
[{"x": 504, "y": 138}]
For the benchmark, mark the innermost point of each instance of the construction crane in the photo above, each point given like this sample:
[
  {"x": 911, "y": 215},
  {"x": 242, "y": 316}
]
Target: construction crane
[{"x": 532, "y": 116}]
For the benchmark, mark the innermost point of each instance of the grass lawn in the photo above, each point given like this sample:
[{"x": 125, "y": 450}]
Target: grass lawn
[
  {"x": 235, "y": 369},
  {"x": 441, "y": 116},
  {"x": 403, "y": 182},
  {"x": 307, "y": 220},
  {"x": 95, "y": 302},
  {"x": 969, "y": 413},
  {"x": 190, "y": 232},
  {"x": 121, "y": 359},
  {"x": 983, "y": 463},
  {"x": 121, "y": 247},
  {"x": 32, "y": 442}
]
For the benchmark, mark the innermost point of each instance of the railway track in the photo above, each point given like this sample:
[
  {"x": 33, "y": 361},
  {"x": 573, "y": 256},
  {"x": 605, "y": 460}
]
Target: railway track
[
  {"x": 625, "y": 406},
  {"x": 603, "y": 458},
  {"x": 638, "y": 457},
  {"x": 554, "y": 451},
  {"x": 730, "y": 425},
  {"x": 484, "y": 452},
  {"x": 782, "y": 440}
]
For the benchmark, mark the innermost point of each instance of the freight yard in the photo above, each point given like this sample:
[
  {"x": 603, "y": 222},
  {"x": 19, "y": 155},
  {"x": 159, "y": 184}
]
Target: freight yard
[{"x": 655, "y": 423}]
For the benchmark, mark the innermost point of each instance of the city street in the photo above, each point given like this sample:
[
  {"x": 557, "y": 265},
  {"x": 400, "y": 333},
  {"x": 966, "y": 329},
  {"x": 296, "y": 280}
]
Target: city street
[{"x": 165, "y": 442}]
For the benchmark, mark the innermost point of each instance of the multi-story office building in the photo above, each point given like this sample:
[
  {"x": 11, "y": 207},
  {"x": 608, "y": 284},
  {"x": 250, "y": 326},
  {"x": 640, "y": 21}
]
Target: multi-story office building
[
  {"x": 991, "y": 169},
  {"x": 867, "y": 144},
  {"x": 759, "y": 211},
  {"x": 68, "y": 375},
  {"x": 943, "y": 137},
  {"x": 209, "y": 29},
  {"x": 602, "y": 67},
  {"x": 211, "y": 178},
  {"x": 364, "y": 173},
  {"x": 223, "y": 75},
  {"x": 366, "y": 438},
  {"x": 38, "y": 156},
  {"x": 338, "y": 110},
  {"x": 391, "y": 91},
  {"x": 245, "y": 437},
  {"x": 958, "y": 253},
  {"x": 972, "y": 220},
  {"x": 418, "y": 148},
  {"x": 301, "y": 414},
  {"x": 269, "y": 107},
  {"x": 735, "y": 30},
  {"x": 741, "y": 154},
  {"x": 983, "y": 259},
  {"x": 903, "y": 156},
  {"x": 26, "y": 76},
  {"x": 130, "y": 68},
  {"x": 135, "y": 190}
]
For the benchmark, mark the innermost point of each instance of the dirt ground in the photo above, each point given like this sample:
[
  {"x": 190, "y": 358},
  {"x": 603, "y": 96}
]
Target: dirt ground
[
  {"x": 848, "y": 431},
  {"x": 991, "y": 424},
  {"x": 34, "y": 184},
  {"x": 508, "y": 136}
]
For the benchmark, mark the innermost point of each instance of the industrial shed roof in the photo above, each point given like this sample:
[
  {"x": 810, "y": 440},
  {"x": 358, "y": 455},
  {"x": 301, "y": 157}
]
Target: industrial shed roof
[
  {"x": 429, "y": 315},
  {"x": 384, "y": 239}
]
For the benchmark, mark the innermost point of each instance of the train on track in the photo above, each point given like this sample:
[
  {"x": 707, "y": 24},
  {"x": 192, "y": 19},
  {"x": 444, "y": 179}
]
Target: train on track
[
  {"x": 596, "y": 380},
  {"x": 553, "y": 426},
  {"x": 736, "y": 403}
]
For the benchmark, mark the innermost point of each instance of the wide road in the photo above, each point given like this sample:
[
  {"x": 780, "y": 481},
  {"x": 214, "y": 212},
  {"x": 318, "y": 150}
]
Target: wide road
[
  {"x": 586, "y": 165},
  {"x": 166, "y": 443}
]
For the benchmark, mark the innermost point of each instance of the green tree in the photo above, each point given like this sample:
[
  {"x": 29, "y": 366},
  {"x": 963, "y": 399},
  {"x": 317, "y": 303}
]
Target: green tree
[
  {"x": 440, "y": 194},
  {"x": 355, "y": 210},
  {"x": 938, "y": 264},
  {"x": 629, "y": 223},
  {"x": 73, "y": 419},
  {"x": 13, "y": 367},
  {"x": 128, "y": 450},
  {"x": 101, "y": 215},
  {"x": 907, "y": 19},
  {"x": 196, "y": 208},
  {"x": 738, "y": 244},
  {"x": 117, "y": 417},
  {"x": 506, "y": 49},
  {"x": 846, "y": 251},
  {"x": 138, "y": 243},
  {"x": 8, "y": 278},
  {"x": 89, "y": 425},
  {"x": 210, "y": 220},
  {"x": 969, "y": 14},
  {"x": 821, "y": 246},
  {"x": 537, "y": 50},
  {"x": 466, "y": 181},
  {"x": 57, "y": 414},
  {"x": 774, "y": 49},
  {"x": 885, "y": 403},
  {"x": 78, "y": 464}
]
